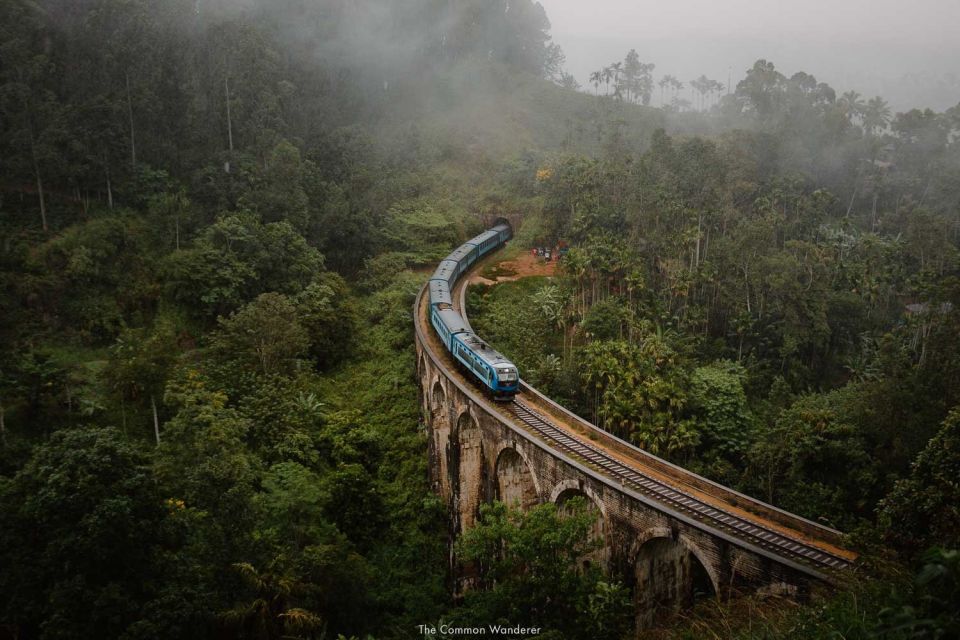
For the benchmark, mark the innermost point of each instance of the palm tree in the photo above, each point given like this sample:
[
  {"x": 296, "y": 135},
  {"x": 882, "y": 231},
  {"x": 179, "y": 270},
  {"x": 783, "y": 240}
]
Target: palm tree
[
  {"x": 876, "y": 115},
  {"x": 269, "y": 614},
  {"x": 607, "y": 77},
  {"x": 616, "y": 70},
  {"x": 595, "y": 79},
  {"x": 717, "y": 87},
  {"x": 677, "y": 86},
  {"x": 701, "y": 85},
  {"x": 852, "y": 105},
  {"x": 575, "y": 264},
  {"x": 664, "y": 82}
]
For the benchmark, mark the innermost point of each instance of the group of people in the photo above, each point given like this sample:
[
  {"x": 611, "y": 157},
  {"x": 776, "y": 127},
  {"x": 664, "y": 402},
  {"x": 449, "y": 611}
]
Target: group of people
[{"x": 547, "y": 253}]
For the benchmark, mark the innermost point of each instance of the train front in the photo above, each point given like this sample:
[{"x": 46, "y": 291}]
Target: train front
[{"x": 508, "y": 381}]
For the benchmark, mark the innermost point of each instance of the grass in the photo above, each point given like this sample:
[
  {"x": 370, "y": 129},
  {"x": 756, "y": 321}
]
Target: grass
[{"x": 497, "y": 270}]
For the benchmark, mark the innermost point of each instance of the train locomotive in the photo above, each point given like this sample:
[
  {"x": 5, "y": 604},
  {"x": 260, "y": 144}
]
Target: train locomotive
[{"x": 489, "y": 368}]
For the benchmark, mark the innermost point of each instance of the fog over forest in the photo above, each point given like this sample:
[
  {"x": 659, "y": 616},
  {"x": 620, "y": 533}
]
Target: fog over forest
[
  {"x": 733, "y": 243},
  {"x": 906, "y": 53}
]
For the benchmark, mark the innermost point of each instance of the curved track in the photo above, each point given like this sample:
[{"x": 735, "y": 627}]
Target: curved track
[
  {"x": 677, "y": 498},
  {"x": 763, "y": 528}
]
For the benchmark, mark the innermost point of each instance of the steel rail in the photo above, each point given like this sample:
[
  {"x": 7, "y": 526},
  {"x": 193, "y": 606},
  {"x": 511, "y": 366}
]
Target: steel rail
[{"x": 678, "y": 498}]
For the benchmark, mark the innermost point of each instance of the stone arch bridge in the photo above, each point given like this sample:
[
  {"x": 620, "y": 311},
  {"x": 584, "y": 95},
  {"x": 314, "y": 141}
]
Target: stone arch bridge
[{"x": 667, "y": 533}]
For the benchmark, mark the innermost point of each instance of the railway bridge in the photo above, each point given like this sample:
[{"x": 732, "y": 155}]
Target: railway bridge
[{"x": 669, "y": 534}]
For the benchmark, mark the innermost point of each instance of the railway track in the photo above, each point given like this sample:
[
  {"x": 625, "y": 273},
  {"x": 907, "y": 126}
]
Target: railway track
[{"x": 678, "y": 499}]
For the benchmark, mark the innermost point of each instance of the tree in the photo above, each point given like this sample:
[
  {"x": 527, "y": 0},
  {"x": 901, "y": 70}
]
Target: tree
[
  {"x": 265, "y": 333},
  {"x": 876, "y": 115},
  {"x": 814, "y": 461},
  {"x": 638, "y": 393},
  {"x": 664, "y": 82},
  {"x": 719, "y": 401},
  {"x": 921, "y": 511},
  {"x": 83, "y": 528},
  {"x": 280, "y": 196},
  {"x": 139, "y": 365},
  {"x": 596, "y": 77},
  {"x": 236, "y": 259},
  {"x": 269, "y": 616},
  {"x": 533, "y": 572},
  {"x": 31, "y": 116},
  {"x": 324, "y": 309},
  {"x": 762, "y": 89},
  {"x": 854, "y": 108},
  {"x": 631, "y": 74}
]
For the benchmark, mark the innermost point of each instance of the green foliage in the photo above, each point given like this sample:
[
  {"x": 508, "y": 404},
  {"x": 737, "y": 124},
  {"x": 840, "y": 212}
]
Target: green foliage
[
  {"x": 892, "y": 606},
  {"x": 520, "y": 319},
  {"x": 202, "y": 456},
  {"x": 639, "y": 394},
  {"x": 316, "y": 567},
  {"x": 380, "y": 271},
  {"x": 140, "y": 362},
  {"x": 605, "y": 320},
  {"x": 84, "y": 500},
  {"x": 280, "y": 196},
  {"x": 330, "y": 317},
  {"x": 932, "y": 611},
  {"x": 265, "y": 334},
  {"x": 719, "y": 402},
  {"x": 235, "y": 260},
  {"x": 108, "y": 258},
  {"x": 814, "y": 460},
  {"x": 921, "y": 510},
  {"x": 166, "y": 165},
  {"x": 533, "y": 572},
  {"x": 418, "y": 227}
]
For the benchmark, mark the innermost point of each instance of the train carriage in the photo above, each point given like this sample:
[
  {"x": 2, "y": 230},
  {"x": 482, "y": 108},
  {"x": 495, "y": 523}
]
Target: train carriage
[
  {"x": 465, "y": 255},
  {"x": 497, "y": 373},
  {"x": 447, "y": 323},
  {"x": 440, "y": 293},
  {"x": 447, "y": 271},
  {"x": 475, "y": 356},
  {"x": 503, "y": 231},
  {"x": 486, "y": 242}
]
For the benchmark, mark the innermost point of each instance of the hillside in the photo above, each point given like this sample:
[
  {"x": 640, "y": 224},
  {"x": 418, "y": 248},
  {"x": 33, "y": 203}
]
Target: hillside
[{"x": 214, "y": 217}]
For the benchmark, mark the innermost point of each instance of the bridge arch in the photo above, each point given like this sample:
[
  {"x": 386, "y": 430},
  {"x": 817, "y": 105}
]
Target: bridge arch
[
  {"x": 515, "y": 480},
  {"x": 671, "y": 573},
  {"x": 573, "y": 487},
  {"x": 568, "y": 489},
  {"x": 438, "y": 398},
  {"x": 467, "y": 468}
]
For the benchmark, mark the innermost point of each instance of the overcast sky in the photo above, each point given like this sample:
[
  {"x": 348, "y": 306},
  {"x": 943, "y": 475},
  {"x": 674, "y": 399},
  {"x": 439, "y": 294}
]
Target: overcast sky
[{"x": 906, "y": 50}]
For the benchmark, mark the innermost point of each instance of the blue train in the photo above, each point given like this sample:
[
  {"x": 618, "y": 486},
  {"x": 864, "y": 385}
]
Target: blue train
[{"x": 497, "y": 374}]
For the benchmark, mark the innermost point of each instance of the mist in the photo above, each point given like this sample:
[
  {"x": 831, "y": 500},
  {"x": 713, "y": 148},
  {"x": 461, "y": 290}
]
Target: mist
[{"x": 907, "y": 55}]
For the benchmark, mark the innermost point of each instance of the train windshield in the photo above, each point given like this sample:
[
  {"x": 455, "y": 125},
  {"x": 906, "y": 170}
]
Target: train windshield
[{"x": 507, "y": 374}]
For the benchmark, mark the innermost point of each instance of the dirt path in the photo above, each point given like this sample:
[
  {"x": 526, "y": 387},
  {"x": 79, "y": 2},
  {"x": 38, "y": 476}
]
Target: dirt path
[{"x": 523, "y": 266}]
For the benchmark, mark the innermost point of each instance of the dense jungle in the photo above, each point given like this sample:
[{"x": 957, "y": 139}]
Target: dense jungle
[{"x": 214, "y": 219}]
